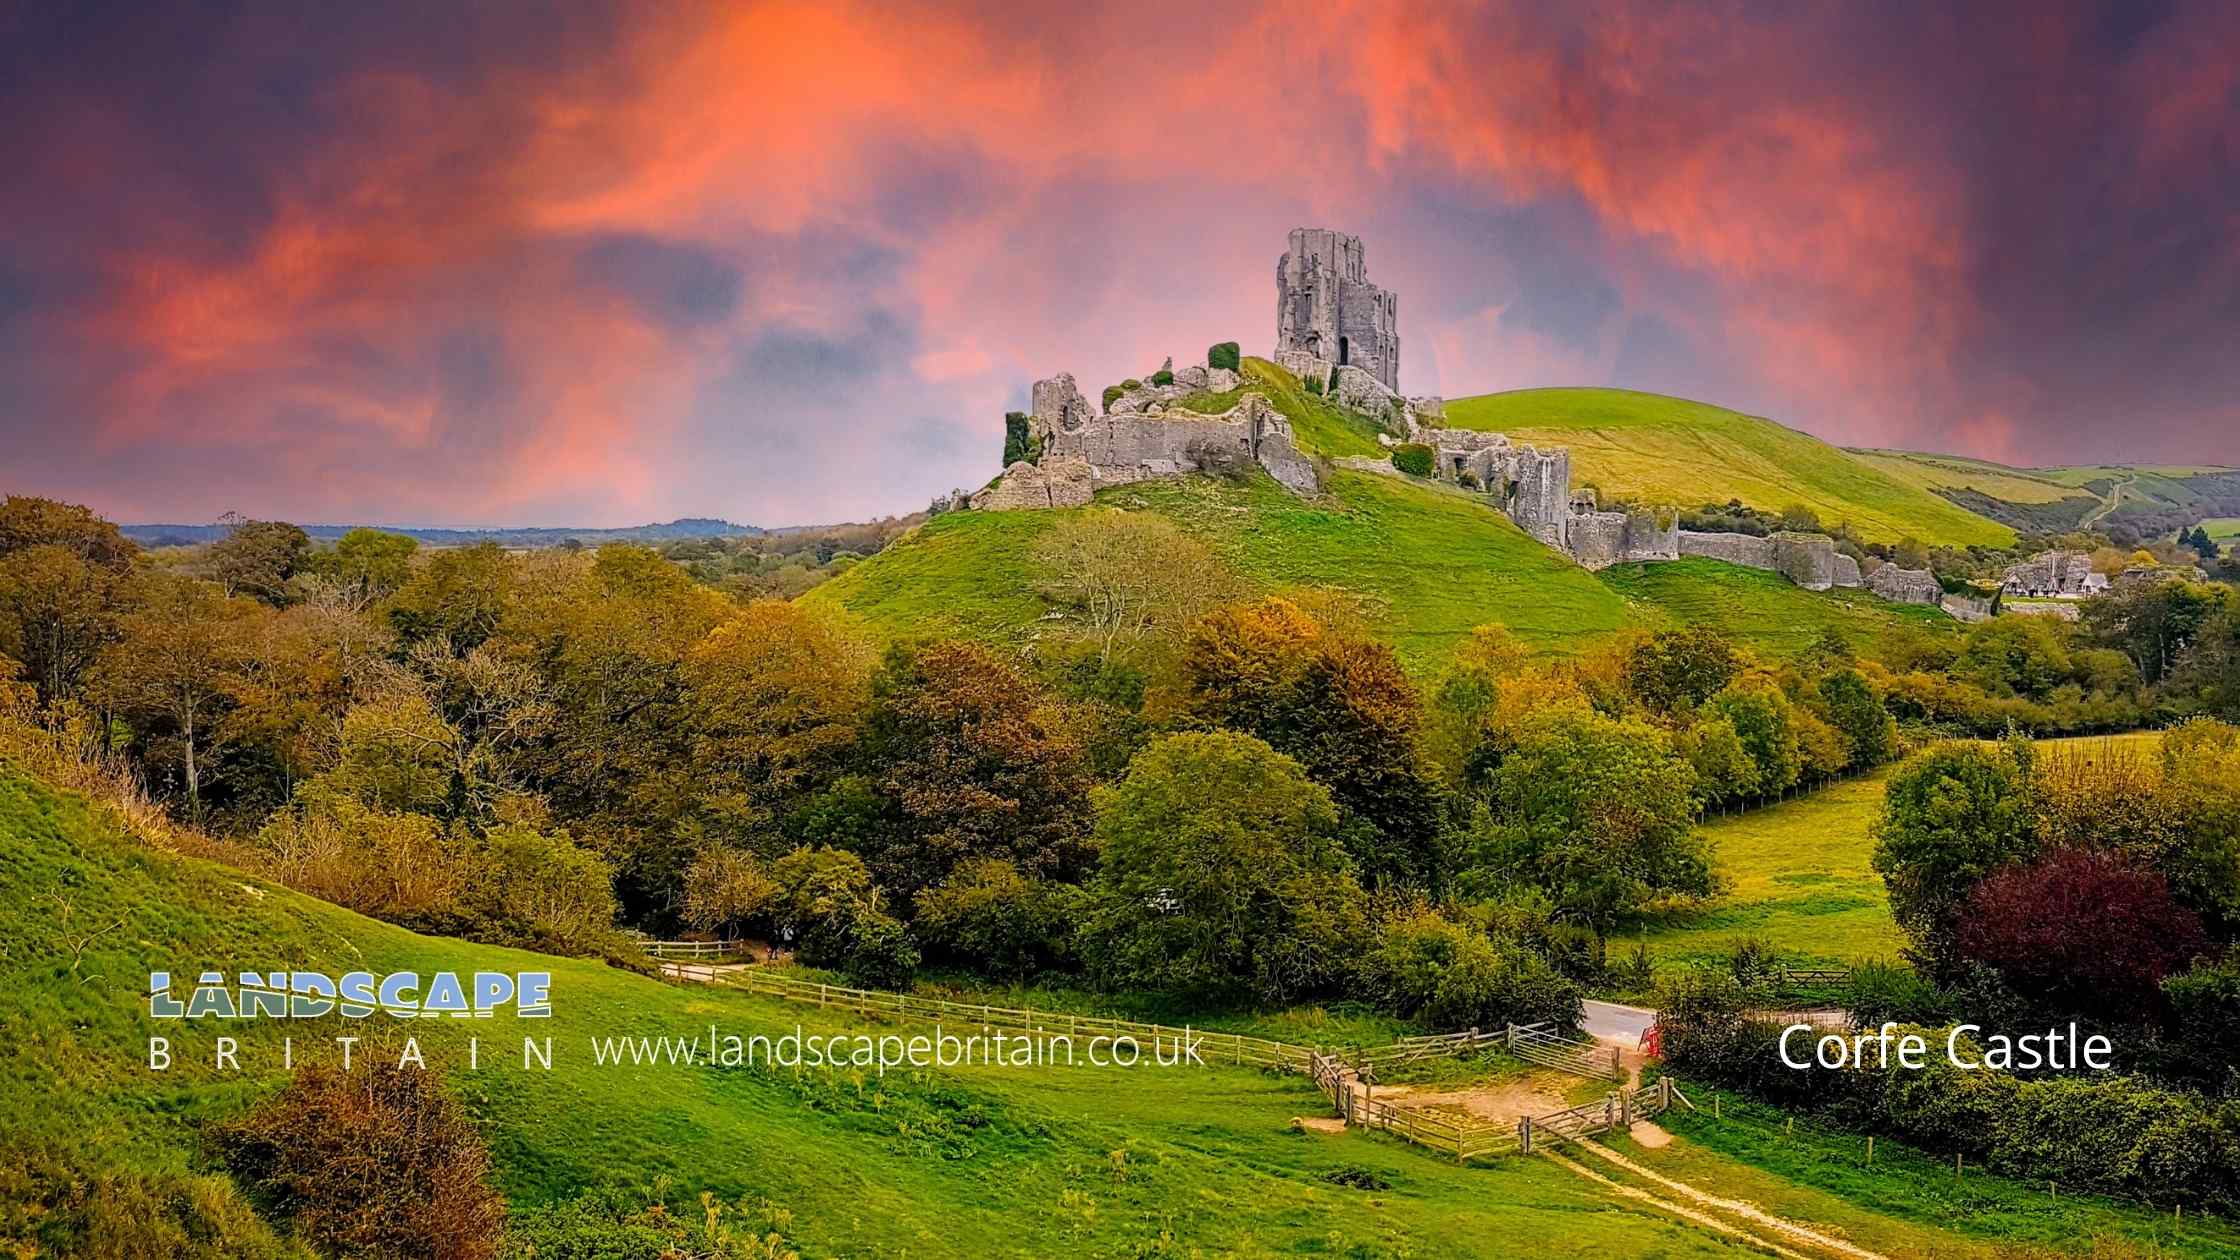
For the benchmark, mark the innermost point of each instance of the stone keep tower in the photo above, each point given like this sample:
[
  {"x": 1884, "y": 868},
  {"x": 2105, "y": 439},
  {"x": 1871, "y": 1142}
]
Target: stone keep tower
[{"x": 1326, "y": 307}]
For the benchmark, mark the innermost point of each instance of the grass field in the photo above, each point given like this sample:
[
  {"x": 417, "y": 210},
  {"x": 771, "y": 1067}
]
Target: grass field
[
  {"x": 979, "y": 1161},
  {"x": 1957, "y": 472},
  {"x": 1761, "y": 610},
  {"x": 1674, "y": 452},
  {"x": 2222, "y": 529},
  {"x": 1801, "y": 875}
]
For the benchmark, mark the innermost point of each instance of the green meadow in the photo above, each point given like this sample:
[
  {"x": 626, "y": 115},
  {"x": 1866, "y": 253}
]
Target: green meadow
[{"x": 1670, "y": 451}]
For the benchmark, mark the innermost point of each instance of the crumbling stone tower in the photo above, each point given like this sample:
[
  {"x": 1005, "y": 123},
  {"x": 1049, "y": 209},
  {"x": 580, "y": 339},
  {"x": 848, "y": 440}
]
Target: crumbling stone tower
[{"x": 1326, "y": 307}]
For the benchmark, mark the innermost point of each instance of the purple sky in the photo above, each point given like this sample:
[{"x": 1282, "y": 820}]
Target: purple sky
[{"x": 599, "y": 265}]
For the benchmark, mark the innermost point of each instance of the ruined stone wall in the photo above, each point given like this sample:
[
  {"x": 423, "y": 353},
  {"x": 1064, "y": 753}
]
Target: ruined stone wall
[
  {"x": 1051, "y": 484},
  {"x": 1748, "y": 550},
  {"x": 1809, "y": 560},
  {"x": 1906, "y": 586},
  {"x": 1847, "y": 571}
]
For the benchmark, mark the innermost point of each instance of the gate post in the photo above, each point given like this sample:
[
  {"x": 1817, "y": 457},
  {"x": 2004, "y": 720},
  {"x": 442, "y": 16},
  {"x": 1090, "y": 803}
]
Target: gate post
[{"x": 1524, "y": 1130}]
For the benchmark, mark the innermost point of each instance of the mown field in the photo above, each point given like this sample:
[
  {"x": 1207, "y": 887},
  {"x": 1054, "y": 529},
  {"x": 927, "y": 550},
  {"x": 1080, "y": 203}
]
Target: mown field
[
  {"x": 1801, "y": 877},
  {"x": 2222, "y": 529},
  {"x": 1671, "y": 451},
  {"x": 979, "y": 1161}
]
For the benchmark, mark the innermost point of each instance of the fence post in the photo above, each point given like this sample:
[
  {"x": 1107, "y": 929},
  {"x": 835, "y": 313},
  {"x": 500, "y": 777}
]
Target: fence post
[
  {"x": 1512, "y": 1038},
  {"x": 1664, "y": 1093},
  {"x": 1524, "y": 1126}
]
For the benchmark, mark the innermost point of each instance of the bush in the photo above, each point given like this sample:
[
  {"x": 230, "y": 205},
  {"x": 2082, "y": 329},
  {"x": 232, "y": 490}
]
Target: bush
[
  {"x": 1466, "y": 479},
  {"x": 1414, "y": 459},
  {"x": 2119, "y": 933},
  {"x": 1162, "y": 377},
  {"x": 1111, "y": 392},
  {"x": 1224, "y": 355},
  {"x": 989, "y": 917},
  {"x": 1313, "y": 385},
  {"x": 376, "y": 1161},
  {"x": 1451, "y": 976},
  {"x": 619, "y": 1225}
]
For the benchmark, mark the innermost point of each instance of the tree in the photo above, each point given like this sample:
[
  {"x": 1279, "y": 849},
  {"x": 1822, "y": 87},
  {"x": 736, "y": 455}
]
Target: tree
[
  {"x": 828, "y": 896},
  {"x": 1855, "y": 709},
  {"x": 33, "y": 522},
  {"x": 1725, "y": 773},
  {"x": 970, "y": 763},
  {"x": 256, "y": 559},
  {"x": 459, "y": 596},
  {"x": 1341, "y": 706},
  {"x": 1764, "y": 721},
  {"x": 373, "y": 563},
  {"x": 1951, "y": 816},
  {"x": 2117, "y": 935},
  {"x": 546, "y": 891},
  {"x": 777, "y": 696},
  {"x": 725, "y": 887},
  {"x": 58, "y": 611},
  {"x": 1222, "y": 875},
  {"x": 1676, "y": 670},
  {"x": 2154, "y": 622},
  {"x": 174, "y": 670},
  {"x": 1125, "y": 578},
  {"x": 1599, "y": 814}
]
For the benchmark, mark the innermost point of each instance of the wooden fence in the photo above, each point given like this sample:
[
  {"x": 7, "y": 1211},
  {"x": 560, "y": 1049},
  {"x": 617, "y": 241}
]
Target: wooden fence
[
  {"x": 676, "y": 951},
  {"x": 1213, "y": 1047},
  {"x": 1580, "y": 1058}
]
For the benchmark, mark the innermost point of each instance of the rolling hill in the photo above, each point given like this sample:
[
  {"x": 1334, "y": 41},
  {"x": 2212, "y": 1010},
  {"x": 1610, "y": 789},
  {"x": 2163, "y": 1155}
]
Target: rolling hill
[
  {"x": 2152, "y": 498},
  {"x": 1427, "y": 562},
  {"x": 1673, "y": 452}
]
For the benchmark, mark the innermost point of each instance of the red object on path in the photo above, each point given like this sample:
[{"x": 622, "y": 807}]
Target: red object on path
[{"x": 1652, "y": 1042}]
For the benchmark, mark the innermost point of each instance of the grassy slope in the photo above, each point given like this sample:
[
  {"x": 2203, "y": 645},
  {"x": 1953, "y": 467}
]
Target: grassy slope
[
  {"x": 983, "y": 1161},
  {"x": 1955, "y": 472},
  {"x": 972, "y": 1161},
  {"x": 1431, "y": 566},
  {"x": 1801, "y": 875},
  {"x": 1672, "y": 451},
  {"x": 2222, "y": 529},
  {"x": 1763, "y": 610}
]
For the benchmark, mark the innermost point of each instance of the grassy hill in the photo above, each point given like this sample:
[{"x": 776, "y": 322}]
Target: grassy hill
[
  {"x": 1764, "y": 611},
  {"x": 1670, "y": 451},
  {"x": 981, "y": 1161},
  {"x": 2063, "y": 498}
]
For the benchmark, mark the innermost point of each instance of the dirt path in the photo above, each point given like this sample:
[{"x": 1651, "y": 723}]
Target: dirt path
[
  {"x": 1536, "y": 1094},
  {"x": 2114, "y": 500},
  {"x": 1736, "y": 1208},
  {"x": 1704, "y": 1219}
]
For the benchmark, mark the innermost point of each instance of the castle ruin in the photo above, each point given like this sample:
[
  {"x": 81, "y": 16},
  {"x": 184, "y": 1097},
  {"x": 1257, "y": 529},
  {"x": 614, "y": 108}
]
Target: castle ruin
[
  {"x": 1339, "y": 335},
  {"x": 1327, "y": 309}
]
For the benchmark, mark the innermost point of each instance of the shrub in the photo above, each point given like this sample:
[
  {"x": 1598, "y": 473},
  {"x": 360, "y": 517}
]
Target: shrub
[
  {"x": 1449, "y": 975},
  {"x": 1414, "y": 459},
  {"x": 1162, "y": 377},
  {"x": 1951, "y": 815},
  {"x": 543, "y": 890},
  {"x": 1466, "y": 479},
  {"x": 1314, "y": 385},
  {"x": 1111, "y": 392},
  {"x": 990, "y": 917},
  {"x": 376, "y": 1161},
  {"x": 1224, "y": 355}
]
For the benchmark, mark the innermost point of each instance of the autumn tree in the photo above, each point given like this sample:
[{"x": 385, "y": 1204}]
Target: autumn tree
[
  {"x": 26, "y": 521},
  {"x": 776, "y": 696},
  {"x": 2081, "y": 933},
  {"x": 1125, "y": 578},
  {"x": 724, "y": 887},
  {"x": 1339, "y": 705},
  {"x": 968, "y": 762},
  {"x": 1222, "y": 875},
  {"x": 58, "y": 611},
  {"x": 174, "y": 670},
  {"x": 1951, "y": 816}
]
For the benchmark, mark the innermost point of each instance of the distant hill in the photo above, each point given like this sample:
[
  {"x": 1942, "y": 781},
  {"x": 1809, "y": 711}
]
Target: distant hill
[
  {"x": 1428, "y": 562},
  {"x": 2128, "y": 501},
  {"x": 510, "y": 536},
  {"x": 1677, "y": 453}
]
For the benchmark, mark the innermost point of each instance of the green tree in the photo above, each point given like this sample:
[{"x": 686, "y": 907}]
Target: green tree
[
  {"x": 1450, "y": 975},
  {"x": 1951, "y": 815},
  {"x": 1764, "y": 720},
  {"x": 777, "y": 697},
  {"x": 1599, "y": 813},
  {"x": 373, "y": 563},
  {"x": 989, "y": 917},
  {"x": 1222, "y": 875},
  {"x": 58, "y": 611},
  {"x": 1676, "y": 670}
]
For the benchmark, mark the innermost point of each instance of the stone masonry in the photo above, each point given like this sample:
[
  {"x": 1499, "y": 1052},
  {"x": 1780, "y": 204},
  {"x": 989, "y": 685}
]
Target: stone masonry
[
  {"x": 1326, "y": 308},
  {"x": 1906, "y": 586}
]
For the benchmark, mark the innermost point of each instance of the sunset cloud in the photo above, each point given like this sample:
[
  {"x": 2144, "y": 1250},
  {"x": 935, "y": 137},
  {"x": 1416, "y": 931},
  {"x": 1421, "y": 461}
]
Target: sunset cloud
[{"x": 791, "y": 262}]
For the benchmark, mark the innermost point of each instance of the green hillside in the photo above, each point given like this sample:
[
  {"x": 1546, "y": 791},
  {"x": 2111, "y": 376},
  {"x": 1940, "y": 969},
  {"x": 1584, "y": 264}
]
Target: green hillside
[
  {"x": 2063, "y": 498},
  {"x": 1429, "y": 565},
  {"x": 1670, "y": 451},
  {"x": 1765, "y": 611},
  {"x": 978, "y": 1161}
]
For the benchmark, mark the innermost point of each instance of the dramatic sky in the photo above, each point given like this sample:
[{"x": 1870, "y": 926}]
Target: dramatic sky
[{"x": 584, "y": 264}]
